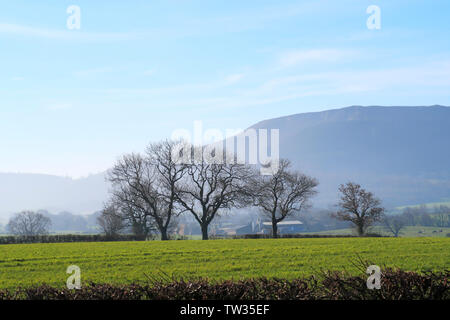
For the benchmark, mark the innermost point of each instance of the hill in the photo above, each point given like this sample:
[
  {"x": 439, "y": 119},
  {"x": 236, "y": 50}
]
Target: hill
[
  {"x": 401, "y": 153},
  {"x": 52, "y": 193}
]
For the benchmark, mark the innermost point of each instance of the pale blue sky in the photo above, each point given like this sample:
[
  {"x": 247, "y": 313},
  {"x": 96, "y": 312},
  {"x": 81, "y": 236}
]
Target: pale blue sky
[{"x": 71, "y": 101}]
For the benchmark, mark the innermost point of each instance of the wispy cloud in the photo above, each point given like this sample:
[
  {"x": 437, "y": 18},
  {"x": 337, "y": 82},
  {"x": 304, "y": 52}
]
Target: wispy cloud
[
  {"x": 93, "y": 71},
  {"x": 296, "y": 57},
  {"x": 58, "y": 106},
  {"x": 429, "y": 77},
  {"x": 179, "y": 89},
  {"x": 234, "y": 78},
  {"x": 236, "y": 22},
  {"x": 36, "y": 32}
]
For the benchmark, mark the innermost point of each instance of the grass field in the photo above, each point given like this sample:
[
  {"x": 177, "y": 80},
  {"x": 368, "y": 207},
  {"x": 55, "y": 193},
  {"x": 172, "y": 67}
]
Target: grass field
[
  {"x": 430, "y": 205},
  {"x": 408, "y": 231},
  {"x": 125, "y": 262}
]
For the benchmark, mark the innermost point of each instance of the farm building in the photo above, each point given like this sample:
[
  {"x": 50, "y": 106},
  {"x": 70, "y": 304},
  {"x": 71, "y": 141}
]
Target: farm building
[
  {"x": 284, "y": 227},
  {"x": 260, "y": 227}
]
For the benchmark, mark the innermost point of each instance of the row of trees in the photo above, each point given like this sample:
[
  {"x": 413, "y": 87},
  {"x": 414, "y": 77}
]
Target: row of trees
[
  {"x": 29, "y": 223},
  {"x": 439, "y": 216},
  {"x": 150, "y": 191}
]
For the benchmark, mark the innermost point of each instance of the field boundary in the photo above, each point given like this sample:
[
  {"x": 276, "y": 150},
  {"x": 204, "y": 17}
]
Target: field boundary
[{"x": 395, "y": 285}]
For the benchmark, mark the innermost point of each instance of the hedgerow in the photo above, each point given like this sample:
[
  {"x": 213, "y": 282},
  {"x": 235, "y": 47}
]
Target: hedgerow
[
  {"x": 57, "y": 238},
  {"x": 395, "y": 285}
]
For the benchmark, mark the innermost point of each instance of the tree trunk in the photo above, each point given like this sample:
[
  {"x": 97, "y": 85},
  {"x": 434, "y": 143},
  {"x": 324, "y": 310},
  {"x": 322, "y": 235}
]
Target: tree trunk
[
  {"x": 164, "y": 235},
  {"x": 274, "y": 230},
  {"x": 204, "y": 231},
  {"x": 360, "y": 230}
]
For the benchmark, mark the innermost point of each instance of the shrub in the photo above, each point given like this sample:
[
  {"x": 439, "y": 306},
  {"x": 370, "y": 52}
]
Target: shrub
[{"x": 395, "y": 285}]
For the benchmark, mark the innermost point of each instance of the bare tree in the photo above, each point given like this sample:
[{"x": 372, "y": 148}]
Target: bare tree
[
  {"x": 443, "y": 219},
  {"x": 211, "y": 186},
  {"x": 409, "y": 216},
  {"x": 111, "y": 221},
  {"x": 359, "y": 207},
  {"x": 132, "y": 192},
  {"x": 29, "y": 223},
  {"x": 162, "y": 156},
  {"x": 135, "y": 214},
  {"x": 394, "y": 224},
  {"x": 282, "y": 194},
  {"x": 442, "y": 214},
  {"x": 144, "y": 188}
]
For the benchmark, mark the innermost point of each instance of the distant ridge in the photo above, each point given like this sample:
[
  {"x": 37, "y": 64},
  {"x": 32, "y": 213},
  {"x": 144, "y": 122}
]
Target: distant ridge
[
  {"x": 401, "y": 153},
  {"x": 21, "y": 191}
]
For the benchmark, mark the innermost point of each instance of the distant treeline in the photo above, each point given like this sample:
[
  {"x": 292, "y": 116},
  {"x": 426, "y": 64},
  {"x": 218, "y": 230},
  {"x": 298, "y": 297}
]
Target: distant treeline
[
  {"x": 70, "y": 238},
  {"x": 268, "y": 236},
  {"x": 132, "y": 237},
  {"x": 438, "y": 216}
]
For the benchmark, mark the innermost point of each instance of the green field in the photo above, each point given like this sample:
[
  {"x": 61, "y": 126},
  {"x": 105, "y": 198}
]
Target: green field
[
  {"x": 125, "y": 262},
  {"x": 430, "y": 205},
  {"x": 408, "y": 231}
]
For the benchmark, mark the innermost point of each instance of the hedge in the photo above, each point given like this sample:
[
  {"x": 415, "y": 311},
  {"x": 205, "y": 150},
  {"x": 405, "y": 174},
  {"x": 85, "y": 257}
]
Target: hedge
[
  {"x": 68, "y": 238},
  {"x": 395, "y": 285}
]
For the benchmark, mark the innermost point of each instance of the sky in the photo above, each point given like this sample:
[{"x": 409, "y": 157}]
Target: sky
[{"x": 73, "y": 100}]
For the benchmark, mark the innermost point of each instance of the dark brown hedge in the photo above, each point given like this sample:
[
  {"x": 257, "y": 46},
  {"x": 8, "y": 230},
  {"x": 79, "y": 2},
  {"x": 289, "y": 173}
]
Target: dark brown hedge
[
  {"x": 55, "y": 238},
  {"x": 395, "y": 285}
]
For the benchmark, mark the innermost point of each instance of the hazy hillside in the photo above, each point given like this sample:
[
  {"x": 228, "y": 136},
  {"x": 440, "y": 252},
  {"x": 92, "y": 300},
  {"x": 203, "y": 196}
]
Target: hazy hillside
[
  {"x": 67, "y": 222},
  {"x": 34, "y": 191},
  {"x": 402, "y": 153}
]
